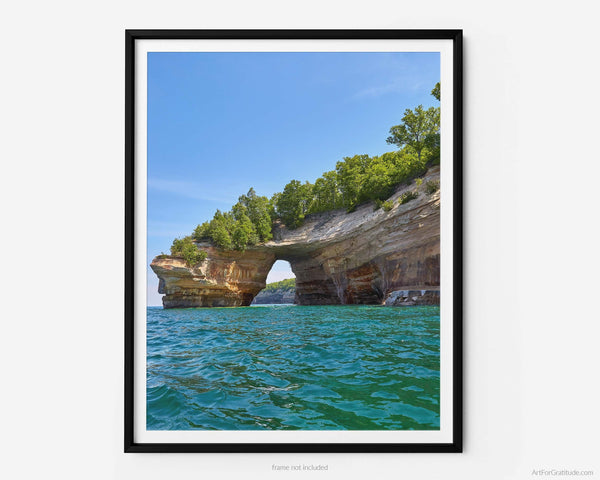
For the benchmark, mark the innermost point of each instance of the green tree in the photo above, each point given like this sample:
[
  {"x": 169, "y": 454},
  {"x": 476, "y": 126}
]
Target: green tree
[
  {"x": 379, "y": 179},
  {"x": 417, "y": 130},
  {"x": 284, "y": 285},
  {"x": 293, "y": 203},
  {"x": 326, "y": 195},
  {"x": 221, "y": 227},
  {"x": 202, "y": 232},
  {"x": 436, "y": 92},
  {"x": 248, "y": 223},
  {"x": 258, "y": 210},
  {"x": 188, "y": 250},
  {"x": 244, "y": 233},
  {"x": 350, "y": 176},
  {"x": 407, "y": 165},
  {"x": 273, "y": 205},
  {"x": 433, "y": 140}
]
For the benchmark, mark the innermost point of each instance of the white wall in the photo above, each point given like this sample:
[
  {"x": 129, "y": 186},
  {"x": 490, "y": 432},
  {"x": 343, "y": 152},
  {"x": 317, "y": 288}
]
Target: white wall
[{"x": 532, "y": 168}]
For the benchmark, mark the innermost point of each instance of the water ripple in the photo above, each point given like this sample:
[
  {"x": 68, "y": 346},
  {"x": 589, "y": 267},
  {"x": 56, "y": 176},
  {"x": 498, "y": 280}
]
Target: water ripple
[{"x": 289, "y": 367}]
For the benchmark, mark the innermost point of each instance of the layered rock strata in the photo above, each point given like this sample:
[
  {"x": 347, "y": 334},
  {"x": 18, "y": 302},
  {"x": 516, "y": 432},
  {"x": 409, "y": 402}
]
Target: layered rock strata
[
  {"x": 224, "y": 279},
  {"x": 337, "y": 257}
]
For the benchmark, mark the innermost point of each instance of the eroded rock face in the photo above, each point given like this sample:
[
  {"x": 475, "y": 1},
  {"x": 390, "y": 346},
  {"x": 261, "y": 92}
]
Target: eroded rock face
[
  {"x": 337, "y": 257},
  {"x": 224, "y": 279}
]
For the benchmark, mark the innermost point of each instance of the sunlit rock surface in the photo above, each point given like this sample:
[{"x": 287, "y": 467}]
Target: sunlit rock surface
[
  {"x": 337, "y": 257},
  {"x": 224, "y": 279}
]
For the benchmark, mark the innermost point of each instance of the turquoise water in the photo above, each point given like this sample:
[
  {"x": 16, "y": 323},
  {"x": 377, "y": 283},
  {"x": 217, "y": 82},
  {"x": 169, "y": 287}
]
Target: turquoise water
[{"x": 293, "y": 367}]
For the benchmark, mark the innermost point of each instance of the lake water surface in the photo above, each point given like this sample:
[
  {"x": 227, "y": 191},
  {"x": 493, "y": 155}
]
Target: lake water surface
[{"x": 281, "y": 367}]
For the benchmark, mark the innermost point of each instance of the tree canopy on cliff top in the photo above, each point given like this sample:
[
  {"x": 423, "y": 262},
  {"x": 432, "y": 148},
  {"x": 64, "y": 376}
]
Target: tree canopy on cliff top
[
  {"x": 355, "y": 180},
  {"x": 249, "y": 222}
]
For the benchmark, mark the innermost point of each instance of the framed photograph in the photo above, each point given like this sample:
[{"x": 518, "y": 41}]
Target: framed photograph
[{"x": 293, "y": 247}]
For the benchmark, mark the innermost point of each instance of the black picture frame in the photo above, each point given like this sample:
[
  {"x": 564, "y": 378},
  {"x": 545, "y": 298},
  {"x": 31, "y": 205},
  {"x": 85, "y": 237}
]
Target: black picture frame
[{"x": 456, "y": 37}]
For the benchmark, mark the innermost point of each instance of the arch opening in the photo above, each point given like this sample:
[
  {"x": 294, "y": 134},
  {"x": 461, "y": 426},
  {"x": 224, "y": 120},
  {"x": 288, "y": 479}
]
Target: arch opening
[
  {"x": 278, "y": 290},
  {"x": 281, "y": 270}
]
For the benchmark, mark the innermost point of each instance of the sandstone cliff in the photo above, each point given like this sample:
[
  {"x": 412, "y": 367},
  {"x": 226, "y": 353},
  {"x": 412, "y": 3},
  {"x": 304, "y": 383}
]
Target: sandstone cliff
[{"x": 337, "y": 257}]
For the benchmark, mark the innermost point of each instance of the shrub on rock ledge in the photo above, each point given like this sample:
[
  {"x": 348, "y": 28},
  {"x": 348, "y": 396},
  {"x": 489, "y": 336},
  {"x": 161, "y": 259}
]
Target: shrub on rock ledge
[{"x": 187, "y": 249}]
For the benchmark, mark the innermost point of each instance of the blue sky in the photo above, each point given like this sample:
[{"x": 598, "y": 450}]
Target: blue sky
[{"x": 220, "y": 123}]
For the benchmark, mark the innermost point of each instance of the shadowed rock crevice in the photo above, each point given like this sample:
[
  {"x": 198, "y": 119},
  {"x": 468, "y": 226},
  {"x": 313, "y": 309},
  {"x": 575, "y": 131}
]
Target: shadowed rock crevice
[{"x": 337, "y": 257}]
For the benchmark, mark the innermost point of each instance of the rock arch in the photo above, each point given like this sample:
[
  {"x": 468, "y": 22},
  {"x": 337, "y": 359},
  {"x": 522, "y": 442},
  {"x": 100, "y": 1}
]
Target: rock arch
[{"x": 337, "y": 257}]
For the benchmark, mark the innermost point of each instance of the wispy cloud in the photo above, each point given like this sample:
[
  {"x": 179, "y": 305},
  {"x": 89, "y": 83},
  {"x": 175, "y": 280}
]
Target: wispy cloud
[
  {"x": 399, "y": 85},
  {"x": 191, "y": 190}
]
